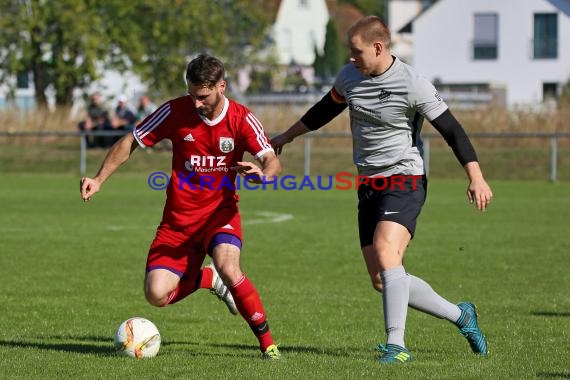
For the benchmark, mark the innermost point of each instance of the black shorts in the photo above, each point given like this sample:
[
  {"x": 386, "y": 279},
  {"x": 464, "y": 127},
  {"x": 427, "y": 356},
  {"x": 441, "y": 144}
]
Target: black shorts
[{"x": 396, "y": 198}]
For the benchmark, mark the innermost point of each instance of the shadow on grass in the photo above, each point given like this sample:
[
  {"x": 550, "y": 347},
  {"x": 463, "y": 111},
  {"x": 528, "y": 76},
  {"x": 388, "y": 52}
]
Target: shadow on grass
[
  {"x": 83, "y": 338},
  {"x": 103, "y": 346},
  {"x": 105, "y": 339},
  {"x": 553, "y": 375},
  {"x": 81, "y": 348},
  {"x": 550, "y": 313},
  {"x": 99, "y": 345},
  {"x": 341, "y": 352}
]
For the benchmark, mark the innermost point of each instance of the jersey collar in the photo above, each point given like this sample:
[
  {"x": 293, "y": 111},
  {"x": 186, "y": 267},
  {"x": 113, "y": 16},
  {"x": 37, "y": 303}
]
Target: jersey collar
[
  {"x": 390, "y": 70},
  {"x": 220, "y": 116}
]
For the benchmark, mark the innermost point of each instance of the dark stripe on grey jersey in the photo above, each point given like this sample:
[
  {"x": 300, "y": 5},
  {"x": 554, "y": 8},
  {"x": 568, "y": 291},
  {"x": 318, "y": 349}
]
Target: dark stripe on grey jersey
[{"x": 416, "y": 125}]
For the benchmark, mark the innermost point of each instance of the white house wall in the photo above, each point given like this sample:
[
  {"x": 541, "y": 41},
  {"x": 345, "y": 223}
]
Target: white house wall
[
  {"x": 299, "y": 27},
  {"x": 443, "y": 38},
  {"x": 400, "y": 12}
]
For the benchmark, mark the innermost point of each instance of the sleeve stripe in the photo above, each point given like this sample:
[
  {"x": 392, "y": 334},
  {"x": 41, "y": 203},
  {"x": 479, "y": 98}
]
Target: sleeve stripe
[
  {"x": 141, "y": 143},
  {"x": 154, "y": 121},
  {"x": 261, "y": 153},
  {"x": 146, "y": 125},
  {"x": 258, "y": 129},
  {"x": 337, "y": 97}
]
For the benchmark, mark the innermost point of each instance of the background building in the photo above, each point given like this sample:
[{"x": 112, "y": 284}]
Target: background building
[{"x": 516, "y": 52}]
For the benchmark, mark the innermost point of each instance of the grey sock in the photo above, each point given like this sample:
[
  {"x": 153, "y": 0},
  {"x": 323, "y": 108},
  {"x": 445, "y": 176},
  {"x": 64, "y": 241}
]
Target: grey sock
[
  {"x": 425, "y": 299},
  {"x": 396, "y": 290}
]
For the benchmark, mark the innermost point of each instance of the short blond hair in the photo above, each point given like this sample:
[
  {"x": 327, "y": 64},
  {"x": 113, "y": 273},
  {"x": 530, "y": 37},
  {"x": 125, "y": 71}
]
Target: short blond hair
[{"x": 371, "y": 29}]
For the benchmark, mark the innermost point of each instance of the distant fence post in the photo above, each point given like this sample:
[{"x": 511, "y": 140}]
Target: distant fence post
[
  {"x": 82, "y": 154},
  {"x": 426, "y": 154},
  {"x": 306, "y": 155},
  {"x": 553, "y": 157}
]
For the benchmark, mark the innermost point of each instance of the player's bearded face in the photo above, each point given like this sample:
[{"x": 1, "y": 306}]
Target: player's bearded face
[{"x": 208, "y": 100}]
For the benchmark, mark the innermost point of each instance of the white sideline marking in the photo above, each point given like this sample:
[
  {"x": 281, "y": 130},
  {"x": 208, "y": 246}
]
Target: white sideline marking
[
  {"x": 262, "y": 217},
  {"x": 268, "y": 217},
  {"x": 119, "y": 228}
]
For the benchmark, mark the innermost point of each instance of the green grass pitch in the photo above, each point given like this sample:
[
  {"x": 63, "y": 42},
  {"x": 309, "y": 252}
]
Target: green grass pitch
[{"x": 71, "y": 272}]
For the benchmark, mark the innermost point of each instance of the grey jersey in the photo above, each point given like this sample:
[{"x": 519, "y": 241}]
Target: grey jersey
[{"x": 386, "y": 115}]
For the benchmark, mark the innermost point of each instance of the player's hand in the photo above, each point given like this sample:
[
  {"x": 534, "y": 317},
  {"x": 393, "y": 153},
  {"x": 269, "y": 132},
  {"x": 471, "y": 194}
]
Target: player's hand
[
  {"x": 480, "y": 193},
  {"x": 88, "y": 187},
  {"x": 278, "y": 141},
  {"x": 249, "y": 170}
]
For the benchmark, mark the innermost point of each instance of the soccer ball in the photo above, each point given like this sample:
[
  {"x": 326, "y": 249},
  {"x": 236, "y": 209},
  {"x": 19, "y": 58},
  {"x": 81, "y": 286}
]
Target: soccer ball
[{"x": 138, "y": 338}]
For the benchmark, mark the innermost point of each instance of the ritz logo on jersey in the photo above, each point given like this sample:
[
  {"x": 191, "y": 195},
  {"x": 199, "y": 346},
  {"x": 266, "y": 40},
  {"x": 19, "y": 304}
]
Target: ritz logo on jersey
[
  {"x": 205, "y": 164},
  {"x": 199, "y": 163}
]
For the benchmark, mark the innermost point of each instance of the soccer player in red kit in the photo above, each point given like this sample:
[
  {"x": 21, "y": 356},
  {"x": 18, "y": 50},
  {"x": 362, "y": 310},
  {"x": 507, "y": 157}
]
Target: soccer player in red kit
[{"x": 210, "y": 134}]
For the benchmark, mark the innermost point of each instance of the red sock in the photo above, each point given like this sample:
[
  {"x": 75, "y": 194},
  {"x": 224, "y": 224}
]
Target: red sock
[
  {"x": 187, "y": 286},
  {"x": 206, "y": 278},
  {"x": 251, "y": 309}
]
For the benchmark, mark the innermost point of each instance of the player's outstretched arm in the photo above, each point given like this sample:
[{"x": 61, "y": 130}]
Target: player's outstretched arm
[
  {"x": 478, "y": 191},
  {"x": 270, "y": 167},
  {"x": 296, "y": 130},
  {"x": 316, "y": 117},
  {"x": 118, "y": 154}
]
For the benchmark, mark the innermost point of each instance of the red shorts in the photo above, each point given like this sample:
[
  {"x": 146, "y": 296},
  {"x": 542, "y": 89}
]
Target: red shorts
[{"x": 183, "y": 251}]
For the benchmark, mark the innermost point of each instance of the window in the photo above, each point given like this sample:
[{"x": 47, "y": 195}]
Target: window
[
  {"x": 486, "y": 36},
  {"x": 549, "y": 90},
  {"x": 545, "y": 35}
]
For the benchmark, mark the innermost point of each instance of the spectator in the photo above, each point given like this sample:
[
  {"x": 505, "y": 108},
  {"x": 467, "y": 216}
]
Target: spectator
[
  {"x": 125, "y": 118},
  {"x": 146, "y": 107},
  {"x": 97, "y": 119}
]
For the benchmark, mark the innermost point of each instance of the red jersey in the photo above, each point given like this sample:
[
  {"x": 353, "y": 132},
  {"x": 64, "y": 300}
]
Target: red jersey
[{"x": 203, "y": 152}]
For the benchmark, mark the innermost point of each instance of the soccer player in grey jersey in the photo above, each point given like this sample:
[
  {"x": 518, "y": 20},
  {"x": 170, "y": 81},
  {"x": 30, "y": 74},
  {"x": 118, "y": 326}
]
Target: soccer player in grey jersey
[{"x": 387, "y": 101}]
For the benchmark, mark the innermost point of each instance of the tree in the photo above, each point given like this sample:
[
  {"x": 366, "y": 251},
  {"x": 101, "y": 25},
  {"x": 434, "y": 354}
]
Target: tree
[
  {"x": 231, "y": 29},
  {"x": 333, "y": 50},
  {"x": 60, "y": 43},
  {"x": 319, "y": 64},
  {"x": 370, "y": 7},
  {"x": 332, "y": 59},
  {"x": 68, "y": 44},
  {"x": 260, "y": 81}
]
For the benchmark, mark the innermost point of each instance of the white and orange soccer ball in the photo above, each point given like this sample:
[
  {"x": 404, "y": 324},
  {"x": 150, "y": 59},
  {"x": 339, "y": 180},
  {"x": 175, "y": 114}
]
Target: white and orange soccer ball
[{"x": 138, "y": 338}]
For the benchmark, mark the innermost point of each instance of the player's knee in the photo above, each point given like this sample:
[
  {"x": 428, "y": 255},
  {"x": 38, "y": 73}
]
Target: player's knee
[
  {"x": 156, "y": 301},
  {"x": 383, "y": 251},
  {"x": 155, "y": 297},
  {"x": 230, "y": 273},
  {"x": 389, "y": 257}
]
